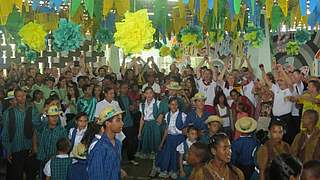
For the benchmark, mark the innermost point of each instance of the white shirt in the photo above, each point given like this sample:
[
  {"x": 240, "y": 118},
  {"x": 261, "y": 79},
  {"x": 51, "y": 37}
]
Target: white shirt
[
  {"x": 47, "y": 167},
  {"x": 297, "y": 90},
  {"x": 155, "y": 87},
  {"x": 148, "y": 110},
  {"x": 207, "y": 90},
  {"x": 223, "y": 112},
  {"x": 172, "y": 129},
  {"x": 79, "y": 135},
  {"x": 226, "y": 92},
  {"x": 180, "y": 148},
  {"x": 247, "y": 91},
  {"x": 280, "y": 105},
  {"x": 103, "y": 104},
  {"x": 98, "y": 136}
]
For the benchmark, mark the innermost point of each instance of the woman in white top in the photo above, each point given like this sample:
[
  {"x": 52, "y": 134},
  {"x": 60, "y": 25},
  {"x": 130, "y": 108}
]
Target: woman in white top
[{"x": 224, "y": 112}]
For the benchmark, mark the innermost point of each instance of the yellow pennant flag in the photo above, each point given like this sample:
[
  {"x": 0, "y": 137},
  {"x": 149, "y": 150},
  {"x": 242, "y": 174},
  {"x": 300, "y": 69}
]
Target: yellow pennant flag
[
  {"x": 227, "y": 24},
  {"x": 107, "y": 6},
  {"x": 215, "y": 8},
  {"x": 269, "y": 4},
  {"x": 304, "y": 20},
  {"x": 284, "y": 6},
  {"x": 234, "y": 23},
  {"x": 203, "y": 9},
  {"x": 18, "y": 4},
  {"x": 49, "y": 21},
  {"x": 182, "y": 9},
  {"x": 191, "y": 6},
  {"x": 122, "y": 6},
  {"x": 242, "y": 16},
  {"x": 6, "y": 7}
]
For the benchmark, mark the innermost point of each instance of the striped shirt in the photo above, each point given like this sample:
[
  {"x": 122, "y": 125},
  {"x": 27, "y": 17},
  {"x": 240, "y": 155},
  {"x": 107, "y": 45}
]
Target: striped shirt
[
  {"x": 19, "y": 142},
  {"x": 47, "y": 139}
]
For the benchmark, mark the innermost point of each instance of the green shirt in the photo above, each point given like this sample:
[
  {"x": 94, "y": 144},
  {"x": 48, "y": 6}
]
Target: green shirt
[
  {"x": 47, "y": 91},
  {"x": 39, "y": 105},
  {"x": 19, "y": 142},
  {"x": 88, "y": 106},
  {"x": 71, "y": 106},
  {"x": 63, "y": 94},
  {"x": 47, "y": 139},
  {"x": 164, "y": 105},
  {"x": 125, "y": 102},
  {"x": 36, "y": 87}
]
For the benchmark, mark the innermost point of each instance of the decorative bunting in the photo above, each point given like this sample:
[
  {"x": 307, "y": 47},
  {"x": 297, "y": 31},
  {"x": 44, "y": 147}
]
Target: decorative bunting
[
  {"x": 237, "y": 4},
  {"x": 269, "y": 5},
  {"x": 33, "y": 35},
  {"x": 203, "y": 9},
  {"x": 74, "y": 6},
  {"x": 303, "y": 7},
  {"x": 283, "y": 4},
  {"x": 107, "y": 6},
  {"x": 276, "y": 18}
]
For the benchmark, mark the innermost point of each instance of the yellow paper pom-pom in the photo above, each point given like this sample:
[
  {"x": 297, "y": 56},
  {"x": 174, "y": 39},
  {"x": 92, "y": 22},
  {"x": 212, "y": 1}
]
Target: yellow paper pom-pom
[
  {"x": 33, "y": 35},
  {"x": 164, "y": 51},
  {"x": 134, "y": 32}
]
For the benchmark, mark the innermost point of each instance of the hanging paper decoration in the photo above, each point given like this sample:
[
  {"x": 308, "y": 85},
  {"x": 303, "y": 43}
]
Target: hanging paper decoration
[
  {"x": 134, "y": 32},
  {"x": 14, "y": 23},
  {"x": 276, "y": 18},
  {"x": 269, "y": 5},
  {"x": 283, "y": 4},
  {"x": 33, "y": 35},
  {"x": 164, "y": 51},
  {"x": 89, "y": 4},
  {"x": 157, "y": 45},
  {"x": 302, "y": 36},
  {"x": 190, "y": 36},
  {"x": 254, "y": 37},
  {"x": 215, "y": 37},
  {"x": 121, "y": 6},
  {"x": 293, "y": 48},
  {"x": 236, "y": 4},
  {"x": 160, "y": 19},
  {"x": 31, "y": 55},
  {"x": 6, "y": 7},
  {"x": 303, "y": 7},
  {"x": 67, "y": 37},
  {"x": 176, "y": 52},
  {"x": 104, "y": 36}
]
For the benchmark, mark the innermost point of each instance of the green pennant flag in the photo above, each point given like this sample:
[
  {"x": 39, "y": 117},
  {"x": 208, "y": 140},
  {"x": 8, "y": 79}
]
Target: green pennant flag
[
  {"x": 276, "y": 17},
  {"x": 14, "y": 23},
  {"x": 98, "y": 9},
  {"x": 89, "y": 4},
  {"x": 74, "y": 6},
  {"x": 237, "y": 6},
  {"x": 160, "y": 18}
]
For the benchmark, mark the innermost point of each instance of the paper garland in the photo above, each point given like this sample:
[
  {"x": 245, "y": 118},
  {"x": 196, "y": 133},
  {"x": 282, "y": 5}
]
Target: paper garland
[
  {"x": 190, "y": 36},
  {"x": 33, "y": 35},
  {"x": 164, "y": 51},
  {"x": 302, "y": 36},
  {"x": 67, "y": 37},
  {"x": 176, "y": 52},
  {"x": 104, "y": 36},
  {"x": 255, "y": 38}
]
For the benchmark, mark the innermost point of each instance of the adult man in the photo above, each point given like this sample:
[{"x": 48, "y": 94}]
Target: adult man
[{"x": 17, "y": 137}]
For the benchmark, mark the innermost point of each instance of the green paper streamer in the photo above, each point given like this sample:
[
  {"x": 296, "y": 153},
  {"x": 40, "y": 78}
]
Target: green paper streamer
[
  {"x": 14, "y": 23},
  {"x": 74, "y": 6},
  {"x": 98, "y": 4},
  {"x": 237, "y": 6},
  {"x": 276, "y": 17},
  {"x": 89, "y": 4},
  {"x": 160, "y": 18}
]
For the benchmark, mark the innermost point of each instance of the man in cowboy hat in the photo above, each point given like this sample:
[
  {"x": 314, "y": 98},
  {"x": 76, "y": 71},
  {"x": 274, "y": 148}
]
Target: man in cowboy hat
[
  {"x": 242, "y": 148},
  {"x": 104, "y": 159},
  {"x": 48, "y": 133}
]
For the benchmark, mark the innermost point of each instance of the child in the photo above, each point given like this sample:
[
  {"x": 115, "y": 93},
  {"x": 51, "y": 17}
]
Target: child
[
  {"x": 243, "y": 148},
  {"x": 167, "y": 158},
  {"x": 272, "y": 148},
  {"x": 78, "y": 170},
  {"x": 306, "y": 145},
  {"x": 57, "y": 167},
  {"x": 76, "y": 134},
  {"x": 214, "y": 125},
  {"x": 183, "y": 149},
  {"x": 104, "y": 159},
  {"x": 224, "y": 112},
  {"x": 311, "y": 170},
  {"x": 87, "y": 103},
  {"x": 241, "y": 111},
  {"x": 149, "y": 130},
  {"x": 49, "y": 132},
  {"x": 197, "y": 158},
  {"x": 38, "y": 100}
]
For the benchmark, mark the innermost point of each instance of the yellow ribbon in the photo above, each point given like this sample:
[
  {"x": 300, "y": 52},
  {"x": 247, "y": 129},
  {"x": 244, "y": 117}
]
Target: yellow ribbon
[
  {"x": 203, "y": 9},
  {"x": 269, "y": 4}
]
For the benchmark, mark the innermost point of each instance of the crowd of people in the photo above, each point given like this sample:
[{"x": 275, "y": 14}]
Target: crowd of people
[{"x": 197, "y": 123}]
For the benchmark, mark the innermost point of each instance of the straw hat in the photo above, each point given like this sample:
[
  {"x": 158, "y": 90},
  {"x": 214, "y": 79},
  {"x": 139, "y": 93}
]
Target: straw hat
[
  {"x": 246, "y": 125},
  {"x": 10, "y": 95},
  {"x": 53, "y": 111},
  {"x": 213, "y": 118},
  {"x": 80, "y": 151},
  {"x": 107, "y": 113},
  {"x": 199, "y": 96},
  {"x": 174, "y": 86}
]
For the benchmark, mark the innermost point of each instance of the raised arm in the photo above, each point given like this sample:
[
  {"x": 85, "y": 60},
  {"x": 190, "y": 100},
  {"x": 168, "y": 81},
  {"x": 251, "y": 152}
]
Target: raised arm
[{"x": 198, "y": 68}]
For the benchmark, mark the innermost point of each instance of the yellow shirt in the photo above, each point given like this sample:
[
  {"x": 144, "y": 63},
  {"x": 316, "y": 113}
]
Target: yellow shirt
[{"x": 310, "y": 105}]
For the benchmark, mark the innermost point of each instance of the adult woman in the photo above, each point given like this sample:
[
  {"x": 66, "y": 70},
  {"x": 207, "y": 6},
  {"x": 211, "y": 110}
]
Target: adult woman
[
  {"x": 219, "y": 167},
  {"x": 97, "y": 92},
  {"x": 62, "y": 87},
  {"x": 285, "y": 167},
  {"x": 71, "y": 101},
  {"x": 239, "y": 99}
]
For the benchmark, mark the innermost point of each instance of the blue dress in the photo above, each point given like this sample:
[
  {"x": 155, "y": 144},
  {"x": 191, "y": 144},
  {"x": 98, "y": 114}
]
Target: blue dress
[
  {"x": 198, "y": 122},
  {"x": 78, "y": 171},
  {"x": 104, "y": 160}
]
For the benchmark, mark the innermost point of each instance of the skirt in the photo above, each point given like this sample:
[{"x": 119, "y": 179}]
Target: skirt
[
  {"x": 150, "y": 137},
  {"x": 167, "y": 158}
]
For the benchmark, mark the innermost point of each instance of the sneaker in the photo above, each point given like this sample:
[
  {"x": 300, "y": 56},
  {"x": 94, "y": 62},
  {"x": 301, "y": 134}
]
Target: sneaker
[
  {"x": 154, "y": 172},
  {"x": 152, "y": 156},
  {"x": 163, "y": 175},
  {"x": 135, "y": 163},
  {"x": 137, "y": 155},
  {"x": 173, "y": 175}
]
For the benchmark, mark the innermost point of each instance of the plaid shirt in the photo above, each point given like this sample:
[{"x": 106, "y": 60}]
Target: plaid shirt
[
  {"x": 60, "y": 167},
  {"x": 19, "y": 142},
  {"x": 104, "y": 160},
  {"x": 47, "y": 139}
]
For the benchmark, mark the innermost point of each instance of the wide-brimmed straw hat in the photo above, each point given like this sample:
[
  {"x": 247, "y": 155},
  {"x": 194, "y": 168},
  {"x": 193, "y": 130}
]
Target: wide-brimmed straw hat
[
  {"x": 199, "y": 96},
  {"x": 246, "y": 125},
  {"x": 174, "y": 86},
  {"x": 213, "y": 118},
  {"x": 107, "y": 113}
]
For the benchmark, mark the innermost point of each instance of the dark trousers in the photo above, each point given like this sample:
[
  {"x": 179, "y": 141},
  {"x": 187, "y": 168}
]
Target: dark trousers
[
  {"x": 288, "y": 126},
  {"x": 247, "y": 170},
  {"x": 130, "y": 142},
  {"x": 22, "y": 162}
]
